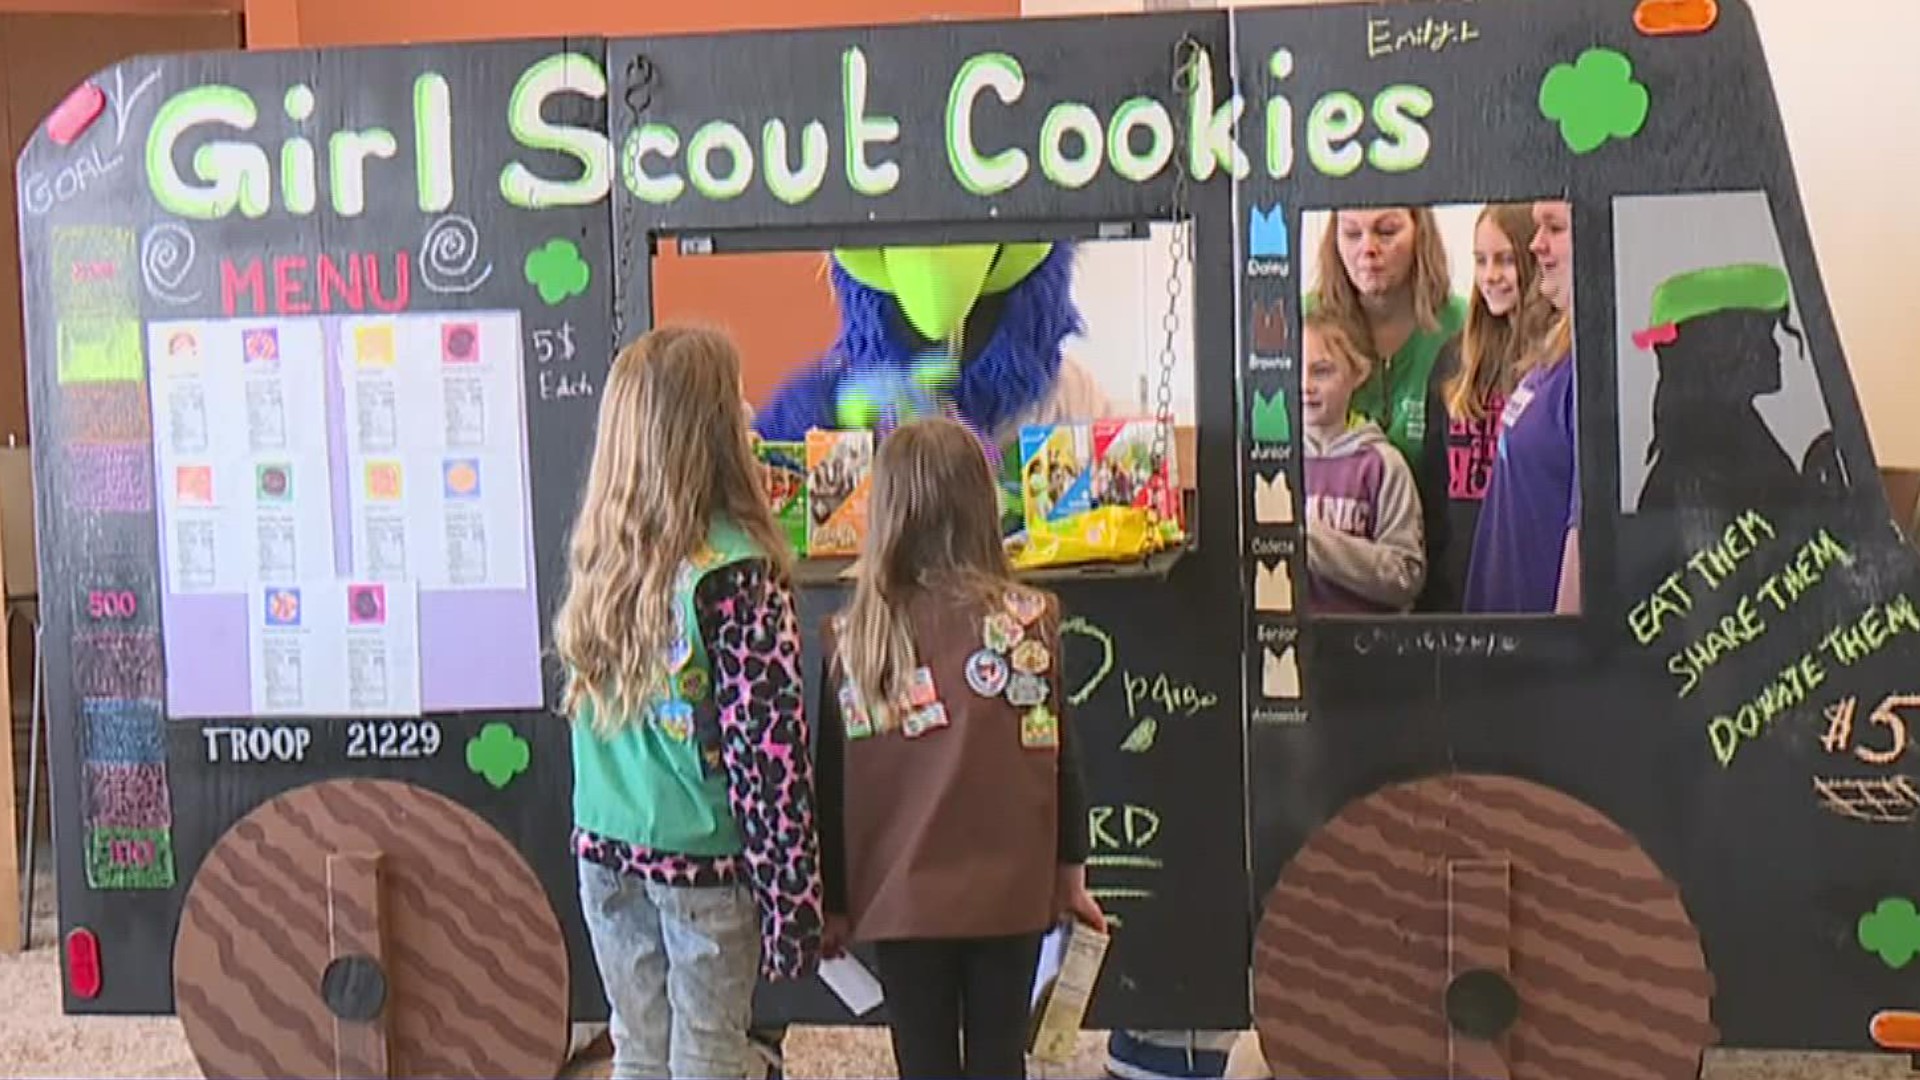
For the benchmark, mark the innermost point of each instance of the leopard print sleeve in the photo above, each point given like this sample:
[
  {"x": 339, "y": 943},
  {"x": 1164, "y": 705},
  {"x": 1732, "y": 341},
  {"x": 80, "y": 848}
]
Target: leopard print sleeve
[{"x": 752, "y": 633}]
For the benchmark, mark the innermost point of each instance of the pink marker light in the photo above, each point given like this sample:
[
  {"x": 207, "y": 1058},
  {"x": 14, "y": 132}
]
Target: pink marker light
[
  {"x": 74, "y": 115},
  {"x": 83, "y": 963}
]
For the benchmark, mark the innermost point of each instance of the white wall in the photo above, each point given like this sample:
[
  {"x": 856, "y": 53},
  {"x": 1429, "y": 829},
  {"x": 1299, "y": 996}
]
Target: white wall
[
  {"x": 1849, "y": 93},
  {"x": 1121, "y": 289},
  {"x": 1848, "y": 86}
]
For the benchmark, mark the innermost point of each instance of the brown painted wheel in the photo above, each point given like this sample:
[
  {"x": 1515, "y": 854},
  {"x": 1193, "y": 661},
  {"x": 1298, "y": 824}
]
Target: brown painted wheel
[
  {"x": 1478, "y": 926},
  {"x": 363, "y": 928}
]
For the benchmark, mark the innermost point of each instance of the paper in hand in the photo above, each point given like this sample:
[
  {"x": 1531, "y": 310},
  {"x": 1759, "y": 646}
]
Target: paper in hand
[{"x": 852, "y": 983}]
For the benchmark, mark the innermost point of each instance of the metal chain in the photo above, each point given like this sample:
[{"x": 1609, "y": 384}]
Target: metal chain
[
  {"x": 638, "y": 95},
  {"x": 1186, "y": 58}
]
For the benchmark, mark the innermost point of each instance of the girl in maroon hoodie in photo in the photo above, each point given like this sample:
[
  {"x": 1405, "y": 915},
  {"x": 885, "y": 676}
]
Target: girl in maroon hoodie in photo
[{"x": 1365, "y": 553}]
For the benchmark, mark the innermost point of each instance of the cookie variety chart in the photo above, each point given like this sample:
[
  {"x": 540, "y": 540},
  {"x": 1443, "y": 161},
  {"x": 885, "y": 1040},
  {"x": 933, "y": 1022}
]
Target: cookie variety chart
[{"x": 331, "y": 491}]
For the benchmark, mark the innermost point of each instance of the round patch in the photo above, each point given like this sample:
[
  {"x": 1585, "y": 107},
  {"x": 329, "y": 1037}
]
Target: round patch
[
  {"x": 675, "y": 719},
  {"x": 693, "y": 684},
  {"x": 1003, "y": 632},
  {"x": 1031, "y": 658},
  {"x": 987, "y": 673},
  {"x": 1024, "y": 691}
]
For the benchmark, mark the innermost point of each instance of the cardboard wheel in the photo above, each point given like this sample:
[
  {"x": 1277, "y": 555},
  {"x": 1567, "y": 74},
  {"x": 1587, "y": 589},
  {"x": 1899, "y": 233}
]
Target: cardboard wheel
[
  {"x": 370, "y": 928},
  {"x": 1478, "y": 926}
]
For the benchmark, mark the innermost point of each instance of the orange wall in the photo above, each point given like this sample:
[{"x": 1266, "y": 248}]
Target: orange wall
[
  {"x": 778, "y": 307},
  {"x": 383, "y": 22}
]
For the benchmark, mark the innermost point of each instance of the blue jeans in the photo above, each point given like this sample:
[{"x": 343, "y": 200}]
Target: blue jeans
[{"x": 678, "y": 965}]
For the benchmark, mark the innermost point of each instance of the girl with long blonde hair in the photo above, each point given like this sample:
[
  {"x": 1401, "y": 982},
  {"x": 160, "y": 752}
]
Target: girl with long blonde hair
[
  {"x": 1382, "y": 279},
  {"x": 953, "y": 826},
  {"x": 1508, "y": 317},
  {"x": 1526, "y": 551},
  {"x": 1509, "y": 322},
  {"x": 693, "y": 788}
]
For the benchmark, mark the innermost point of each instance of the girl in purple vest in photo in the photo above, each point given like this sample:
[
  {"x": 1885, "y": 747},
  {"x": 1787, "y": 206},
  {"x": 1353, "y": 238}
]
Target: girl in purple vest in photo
[
  {"x": 1526, "y": 551},
  {"x": 1365, "y": 553},
  {"x": 1507, "y": 320}
]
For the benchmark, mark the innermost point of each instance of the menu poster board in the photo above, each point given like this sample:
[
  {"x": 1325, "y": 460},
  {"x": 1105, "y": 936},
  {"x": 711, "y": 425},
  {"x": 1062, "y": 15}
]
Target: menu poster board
[{"x": 314, "y": 394}]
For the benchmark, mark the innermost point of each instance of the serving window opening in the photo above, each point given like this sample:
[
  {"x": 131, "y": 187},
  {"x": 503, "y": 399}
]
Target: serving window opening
[
  {"x": 1438, "y": 410},
  {"x": 1067, "y": 351}
]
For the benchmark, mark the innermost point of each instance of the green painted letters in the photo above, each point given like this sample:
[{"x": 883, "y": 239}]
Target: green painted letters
[
  {"x": 1071, "y": 117},
  {"x": 657, "y": 139},
  {"x": 983, "y": 174},
  {"x": 794, "y": 186},
  {"x": 231, "y": 174},
  {"x": 1335, "y": 119},
  {"x": 574, "y": 73},
  {"x": 869, "y": 180}
]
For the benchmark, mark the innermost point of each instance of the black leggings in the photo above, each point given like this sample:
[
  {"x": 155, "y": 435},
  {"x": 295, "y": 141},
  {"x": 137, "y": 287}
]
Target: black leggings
[{"x": 943, "y": 989}]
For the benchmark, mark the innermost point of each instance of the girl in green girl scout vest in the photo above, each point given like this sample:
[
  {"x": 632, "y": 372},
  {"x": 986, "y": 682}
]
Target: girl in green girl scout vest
[{"x": 692, "y": 787}]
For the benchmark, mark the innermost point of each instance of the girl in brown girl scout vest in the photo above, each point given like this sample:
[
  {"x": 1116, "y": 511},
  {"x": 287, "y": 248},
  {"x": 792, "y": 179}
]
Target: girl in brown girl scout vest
[{"x": 952, "y": 822}]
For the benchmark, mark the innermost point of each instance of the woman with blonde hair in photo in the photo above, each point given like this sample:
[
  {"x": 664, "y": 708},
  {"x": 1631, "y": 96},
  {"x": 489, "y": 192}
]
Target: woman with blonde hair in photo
[
  {"x": 692, "y": 778},
  {"x": 1508, "y": 321},
  {"x": 1382, "y": 279}
]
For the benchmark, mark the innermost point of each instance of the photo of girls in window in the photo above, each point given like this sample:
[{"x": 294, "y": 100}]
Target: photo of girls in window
[{"x": 1437, "y": 407}]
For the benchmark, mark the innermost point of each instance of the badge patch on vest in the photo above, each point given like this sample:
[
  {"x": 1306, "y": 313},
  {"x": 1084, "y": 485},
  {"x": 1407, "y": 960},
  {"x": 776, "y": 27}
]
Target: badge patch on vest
[
  {"x": 920, "y": 691},
  {"x": 1003, "y": 631},
  {"x": 1031, "y": 658},
  {"x": 679, "y": 652},
  {"x": 1024, "y": 691},
  {"x": 693, "y": 684},
  {"x": 1416, "y": 420},
  {"x": 1026, "y": 606},
  {"x": 675, "y": 719},
  {"x": 1039, "y": 729},
  {"x": 853, "y": 713},
  {"x": 922, "y": 720},
  {"x": 987, "y": 673}
]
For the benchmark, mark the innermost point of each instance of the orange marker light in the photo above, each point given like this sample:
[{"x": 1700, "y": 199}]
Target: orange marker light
[
  {"x": 1896, "y": 1029},
  {"x": 1662, "y": 18}
]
